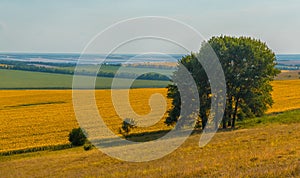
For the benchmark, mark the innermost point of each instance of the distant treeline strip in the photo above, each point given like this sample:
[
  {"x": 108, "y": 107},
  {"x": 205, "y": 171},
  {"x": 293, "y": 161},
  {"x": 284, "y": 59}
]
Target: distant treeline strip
[{"x": 17, "y": 65}]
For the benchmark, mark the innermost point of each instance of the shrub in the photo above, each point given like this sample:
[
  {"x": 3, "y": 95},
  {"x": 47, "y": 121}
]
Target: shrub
[
  {"x": 77, "y": 137},
  {"x": 87, "y": 146},
  {"x": 127, "y": 125}
]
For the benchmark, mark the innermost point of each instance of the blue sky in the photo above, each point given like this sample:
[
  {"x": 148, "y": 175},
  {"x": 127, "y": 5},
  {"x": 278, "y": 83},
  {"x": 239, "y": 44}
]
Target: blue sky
[{"x": 67, "y": 26}]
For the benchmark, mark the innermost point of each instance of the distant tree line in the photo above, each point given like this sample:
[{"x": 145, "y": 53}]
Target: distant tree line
[
  {"x": 153, "y": 66},
  {"x": 287, "y": 67},
  {"x": 18, "y": 65}
]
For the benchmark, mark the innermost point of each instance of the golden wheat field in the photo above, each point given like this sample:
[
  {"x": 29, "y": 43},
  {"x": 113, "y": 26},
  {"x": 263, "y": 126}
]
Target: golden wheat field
[
  {"x": 286, "y": 95},
  {"x": 37, "y": 118}
]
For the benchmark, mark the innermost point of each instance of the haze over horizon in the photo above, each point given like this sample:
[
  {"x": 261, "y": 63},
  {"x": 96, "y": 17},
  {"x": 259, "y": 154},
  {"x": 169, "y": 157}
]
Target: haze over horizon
[{"x": 67, "y": 26}]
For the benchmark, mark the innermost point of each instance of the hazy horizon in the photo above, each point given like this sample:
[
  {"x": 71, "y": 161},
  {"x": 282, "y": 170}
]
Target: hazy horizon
[{"x": 67, "y": 26}]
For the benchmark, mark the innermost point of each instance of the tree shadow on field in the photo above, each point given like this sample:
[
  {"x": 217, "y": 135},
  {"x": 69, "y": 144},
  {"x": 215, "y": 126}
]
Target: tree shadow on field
[
  {"x": 140, "y": 137},
  {"x": 146, "y": 137}
]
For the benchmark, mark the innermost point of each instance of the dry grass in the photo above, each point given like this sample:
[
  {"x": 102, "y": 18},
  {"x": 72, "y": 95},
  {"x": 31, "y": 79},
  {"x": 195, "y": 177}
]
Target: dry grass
[
  {"x": 288, "y": 75},
  {"x": 271, "y": 151}
]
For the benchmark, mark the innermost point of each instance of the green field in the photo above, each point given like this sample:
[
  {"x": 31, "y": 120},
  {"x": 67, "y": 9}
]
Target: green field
[{"x": 17, "y": 79}]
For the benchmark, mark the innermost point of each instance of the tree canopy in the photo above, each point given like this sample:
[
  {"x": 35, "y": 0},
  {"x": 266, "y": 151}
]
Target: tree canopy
[{"x": 249, "y": 67}]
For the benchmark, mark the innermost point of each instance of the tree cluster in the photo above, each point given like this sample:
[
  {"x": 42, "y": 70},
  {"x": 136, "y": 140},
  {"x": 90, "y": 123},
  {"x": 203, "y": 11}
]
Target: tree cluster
[{"x": 249, "y": 67}]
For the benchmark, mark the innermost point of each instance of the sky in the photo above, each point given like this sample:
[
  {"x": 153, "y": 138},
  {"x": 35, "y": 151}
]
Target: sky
[{"x": 67, "y": 26}]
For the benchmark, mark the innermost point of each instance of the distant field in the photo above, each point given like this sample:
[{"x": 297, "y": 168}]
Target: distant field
[
  {"x": 16, "y": 79},
  {"x": 288, "y": 75}
]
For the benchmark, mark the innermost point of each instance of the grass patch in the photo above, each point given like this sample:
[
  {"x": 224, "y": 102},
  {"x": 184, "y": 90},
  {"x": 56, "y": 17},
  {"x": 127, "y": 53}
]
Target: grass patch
[
  {"x": 15, "y": 79},
  {"x": 287, "y": 117}
]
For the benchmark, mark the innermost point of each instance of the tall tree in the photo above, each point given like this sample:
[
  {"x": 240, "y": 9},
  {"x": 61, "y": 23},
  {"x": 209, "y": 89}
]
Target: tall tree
[
  {"x": 249, "y": 67},
  {"x": 191, "y": 64}
]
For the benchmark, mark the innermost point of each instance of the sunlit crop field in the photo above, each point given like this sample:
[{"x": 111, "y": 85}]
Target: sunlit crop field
[
  {"x": 37, "y": 118},
  {"x": 286, "y": 95}
]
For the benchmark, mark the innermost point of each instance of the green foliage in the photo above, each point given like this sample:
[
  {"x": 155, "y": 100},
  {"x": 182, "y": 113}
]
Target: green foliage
[
  {"x": 288, "y": 117},
  {"x": 249, "y": 67},
  {"x": 88, "y": 146},
  {"x": 77, "y": 137},
  {"x": 176, "y": 102}
]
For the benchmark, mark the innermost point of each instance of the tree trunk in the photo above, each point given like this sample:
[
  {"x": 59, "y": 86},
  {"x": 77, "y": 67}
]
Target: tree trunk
[
  {"x": 229, "y": 123},
  {"x": 229, "y": 114},
  {"x": 204, "y": 122},
  {"x": 224, "y": 123},
  {"x": 217, "y": 109},
  {"x": 235, "y": 112}
]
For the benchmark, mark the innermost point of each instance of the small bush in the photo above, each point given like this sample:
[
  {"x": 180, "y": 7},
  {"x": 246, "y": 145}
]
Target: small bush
[
  {"x": 77, "y": 137},
  {"x": 127, "y": 125},
  {"x": 87, "y": 146}
]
